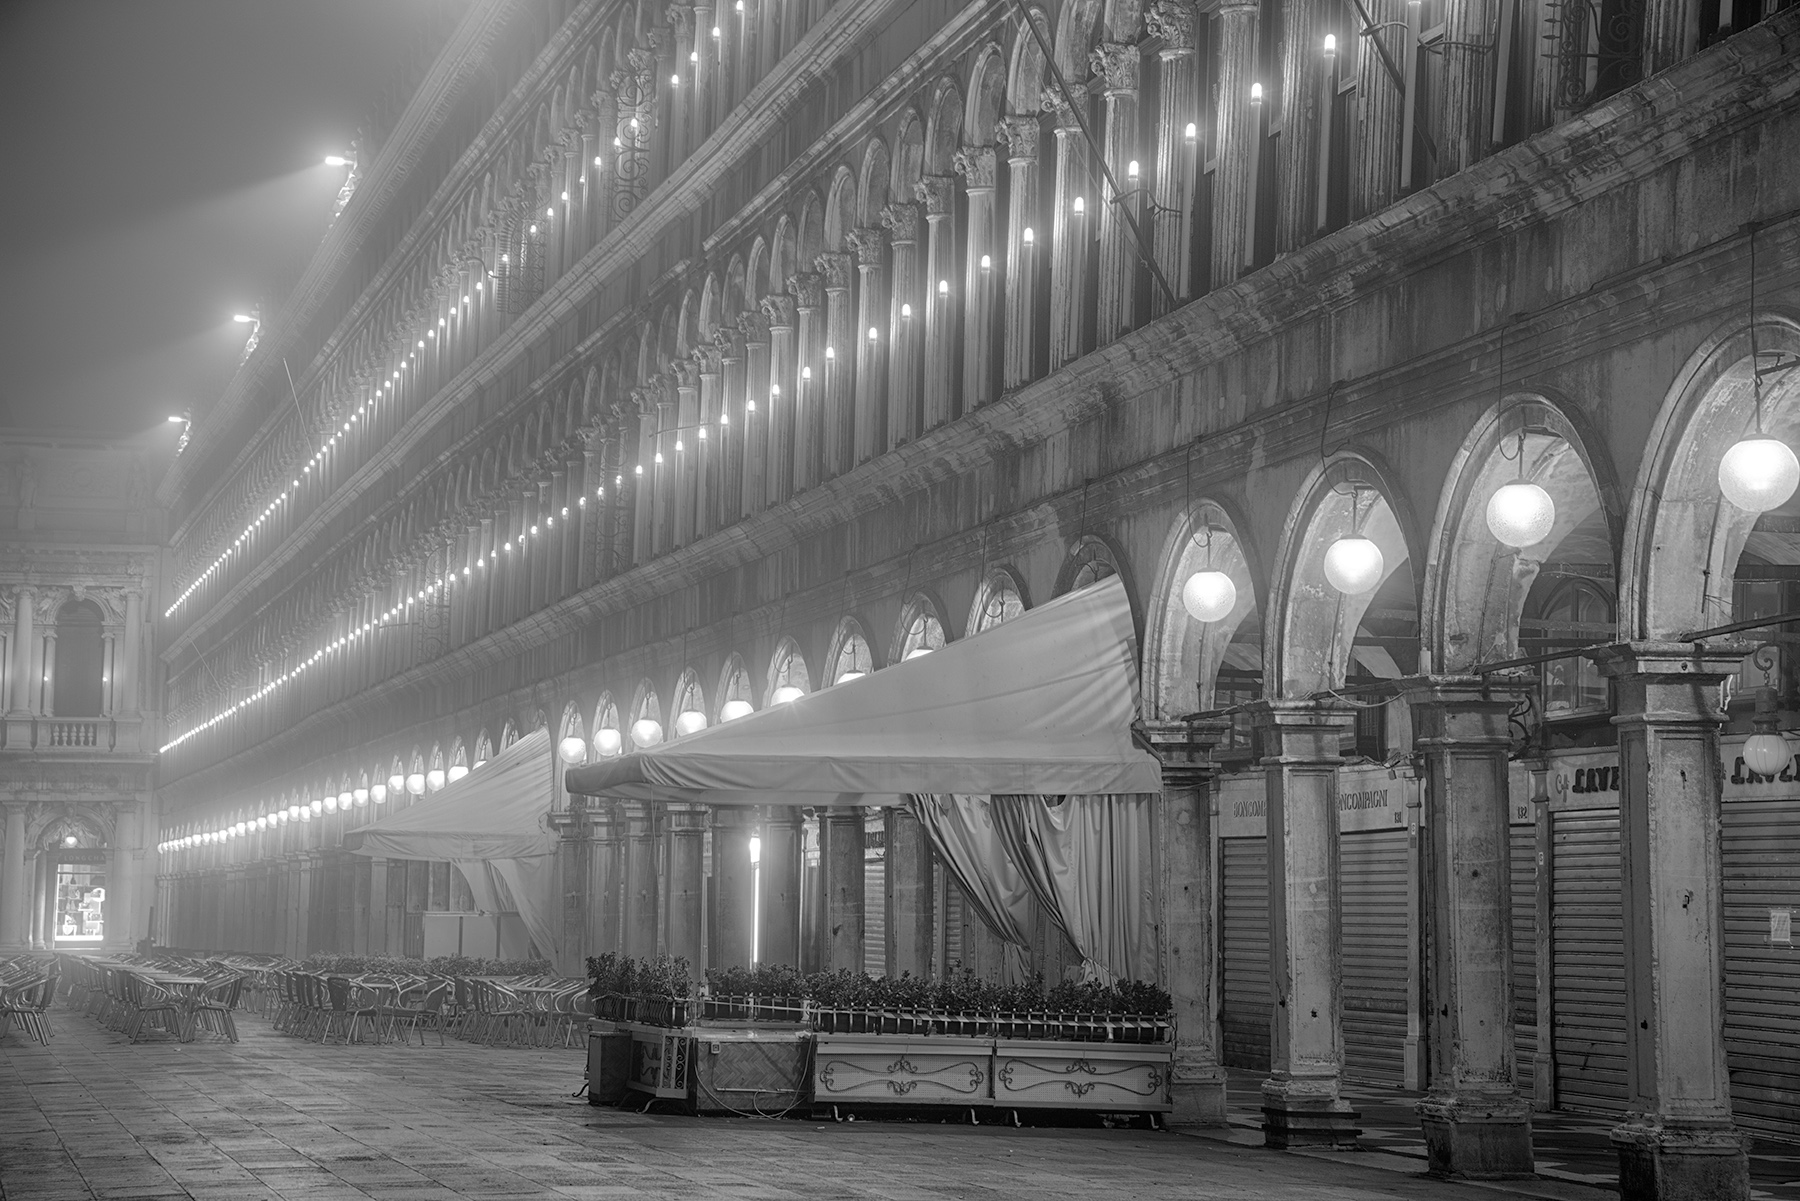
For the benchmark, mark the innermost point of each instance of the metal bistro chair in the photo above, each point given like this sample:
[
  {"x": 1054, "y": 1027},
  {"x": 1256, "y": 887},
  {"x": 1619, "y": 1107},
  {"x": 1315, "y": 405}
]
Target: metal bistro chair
[
  {"x": 148, "y": 1001},
  {"x": 28, "y": 1004},
  {"x": 349, "y": 1004},
  {"x": 212, "y": 1008},
  {"x": 427, "y": 1014}
]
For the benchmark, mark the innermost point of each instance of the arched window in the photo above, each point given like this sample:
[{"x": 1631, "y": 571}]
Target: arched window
[
  {"x": 1575, "y": 611},
  {"x": 76, "y": 680},
  {"x": 853, "y": 659}
]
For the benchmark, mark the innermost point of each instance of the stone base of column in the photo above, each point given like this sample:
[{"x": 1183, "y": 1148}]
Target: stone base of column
[
  {"x": 17, "y": 731},
  {"x": 1198, "y": 1094},
  {"x": 1477, "y": 1137},
  {"x": 1307, "y": 1113},
  {"x": 1667, "y": 1161}
]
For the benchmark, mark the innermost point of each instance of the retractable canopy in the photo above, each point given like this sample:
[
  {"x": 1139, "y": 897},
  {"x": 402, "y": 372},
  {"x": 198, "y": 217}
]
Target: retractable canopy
[
  {"x": 495, "y": 813},
  {"x": 1042, "y": 704}
]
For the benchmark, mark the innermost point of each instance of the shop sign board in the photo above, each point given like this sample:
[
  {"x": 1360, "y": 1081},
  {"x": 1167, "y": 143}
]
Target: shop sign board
[{"x": 1370, "y": 797}]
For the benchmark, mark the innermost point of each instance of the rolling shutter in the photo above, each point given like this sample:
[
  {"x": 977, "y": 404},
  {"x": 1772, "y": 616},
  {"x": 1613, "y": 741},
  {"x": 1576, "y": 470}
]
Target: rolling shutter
[
  {"x": 1760, "y": 844},
  {"x": 1372, "y": 884},
  {"x": 1244, "y": 935},
  {"x": 1588, "y": 960},
  {"x": 875, "y": 912},
  {"x": 1524, "y": 952}
]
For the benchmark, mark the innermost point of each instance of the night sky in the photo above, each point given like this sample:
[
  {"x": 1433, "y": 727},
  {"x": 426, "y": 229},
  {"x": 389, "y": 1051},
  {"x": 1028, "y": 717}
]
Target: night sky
[{"x": 164, "y": 170}]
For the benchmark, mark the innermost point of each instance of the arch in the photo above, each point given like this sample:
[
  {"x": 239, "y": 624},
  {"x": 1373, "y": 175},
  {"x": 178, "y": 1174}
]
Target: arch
[
  {"x": 920, "y": 629},
  {"x": 609, "y": 737},
  {"x": 1310, "y": 627},
  {"x": 809, "y": 232},
  {"x": 840, "y": 210},
  {"x": 1682, "y": 539},
  {"x": 734, "y": 685},
  {"x": 999, "y": 599},
  {"x": 1476, "y": 588},
  {"x": 1090, "y": 560},
  {"x": 484, "y": 749},
  {"x": 1182, "y": 656},
  {"x": 987, "y": 96},
  {"x": 509, "y": 734},
  {"x": 851, "y": 655},
  {"x": 77, "y": 681},
  {"x": 943, "y": 128},
  {"x": 709, "y": 306},
  {"x": 872, "y": 190},
  {"x": 690, "y": 714},
  {"x": 908, "y": 155},
  {"x": 734, "y": 299},
  {"x": 787, "y": 669},
  {"x": 1025, "y": 79},
  {"x": 645, "y": 706}
]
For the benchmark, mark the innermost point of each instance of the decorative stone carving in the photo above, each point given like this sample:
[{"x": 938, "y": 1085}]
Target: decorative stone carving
[
  {"x": 808, "y": 289},
  {"x": 937, "y": 193},
  {"x": 1117, "y": 63},
  {"x": 707, "y": 360},
  {"x": 838, "y": 270},
  {"x": 978, "y": 166},
  {"x": 1173, "y": 22},
  {"x": 779, "y": 310},
  {"x": 1021, "y": 137},
  {"x": 870, "y": 244},
  {"x": 902, "y": 221},
  {"x": 730, "y": 344},
  {"x": 1058, "y": 109},
  {"x": 686, "y": 373},
  {"x": 754, "y": 327}
]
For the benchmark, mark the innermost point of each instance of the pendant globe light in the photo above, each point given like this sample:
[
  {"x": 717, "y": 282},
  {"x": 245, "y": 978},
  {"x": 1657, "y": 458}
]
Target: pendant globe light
[
  {"x": 1209, "y": 595},
  {"x": 1759, "y": 473},
  {"x": 1520, "y": 513},
  {"x": 646, "y": 732},
  {"x": 1767, "y": 752},
  {"x": 1354, "y": 564}
]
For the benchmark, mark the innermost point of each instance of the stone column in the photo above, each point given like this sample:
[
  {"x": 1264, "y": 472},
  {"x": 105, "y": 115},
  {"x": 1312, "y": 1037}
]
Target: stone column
[
  {"x": 575, "y": 873},
  {"x": 19, "y": 704},
  {"x": 1299, "y": 754},
  {"x": 130, "y": 701},
  {"x": 122, "y": 874},
  {"x": 1468, "y": 83},
  {"x": 841, "y": 833},
  {"x": 734, "y": 425},
  {"x": 911, "y": 895},
  {"x": 606, "y": 886},
  {"x": 755, "y": 329},
  {"x": 1072, "y": 231},
  {"x": 871, "y": 353},
  {"x": 687, "y": 884},
  {"x": 1177, "y": 155},
  {"x": 302, "y": 902},
  {"x": 943, "y": 324},
  {"x": 377, "y": 936},
  {"x": 1301, "y": 101},
  {"x": 1019, "y": 342},
  {"x": 684, "y": 463},
  {"x": 37, "y": 903},
  {"x": 1671, "y": 32},
  {"x": 643, "y": 477},
  {"x": 49, "y": 709},
  {"x": 109, "y": 674},
  {"x": 808, "y": 439},
  {"x": 640, "y": 879},
  {"x": 664, "y": 463},
  {"x": 1234, "y": 188},
  {"x": 1678, "y": 1139},
  {"x": 1476, "y": 1124},
  {"x": 778, "y": 467},
  {"x": 14, "y": 897},
  {"x": 980, "y": 296},
  {"x": 700, "y": 112},
  {"x": 1185, "y": 839},
  {"x": 709, "y": 450},
  {"x": 734, "y": 886},
  {"x": 782, "y": 863},
  {"x": 838, "y": 448},
  {"x": 1117, "y": 63},
  {"x": 906, "y": 323}
]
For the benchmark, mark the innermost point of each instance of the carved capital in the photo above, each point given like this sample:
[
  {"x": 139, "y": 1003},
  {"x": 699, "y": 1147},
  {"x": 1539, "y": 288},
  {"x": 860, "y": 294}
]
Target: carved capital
[
  {"x": 902, "y": 221},
  {"x": 871, "y": 245},
  {"x": 1058, "y": 109},
  {"x": 808, "y": 289},
  {"x": 730, "y": 344},
  {"x": 1117, "y": 63},
  {"x": 937, "y": 193},
  {"x": 779, "y": 310},
  {"x": 1021, "y": 137},
  {"x": 680, "y": 18},
  {"x": 977, "y": 165},
  {"x": 643, "y": 64},
  {"x": 706, "y": 360},
  {"x": 754, "y": 327},
  {"x": 1173, "y": 22},
  {"x": 686, "y": 373},
  {"x": 838, "y": 270}
]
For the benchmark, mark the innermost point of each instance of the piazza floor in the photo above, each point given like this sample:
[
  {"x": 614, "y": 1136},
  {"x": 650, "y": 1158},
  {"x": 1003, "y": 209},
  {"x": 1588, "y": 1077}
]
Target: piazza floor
[{"x": 273, "y": 1117}]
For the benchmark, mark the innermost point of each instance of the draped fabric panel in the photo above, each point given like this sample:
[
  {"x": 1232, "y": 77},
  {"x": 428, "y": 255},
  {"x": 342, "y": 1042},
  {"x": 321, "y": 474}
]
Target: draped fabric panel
[{"x": 1088, "y": 860}]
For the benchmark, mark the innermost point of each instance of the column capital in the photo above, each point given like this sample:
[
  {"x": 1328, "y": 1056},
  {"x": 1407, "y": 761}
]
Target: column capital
[
  {"x": 729, "y": 343},
  {"x": 977, "y": 166},
  {"x": 808, "y": 290},
  {"x": 1464, "y": 710},
  {"x": 1021, "y": 136},
  {"x": 1117, "y": 63},
  {"x": 1173, "y": 22},
  {"x": 871, "y": 245},
  {"x": 755, "y": 328},
  {"x": 686, "y": 373},
  {"x": 1058, "y": 109},
  {"x": 707, "y": 360},
  {"x": 1185, "y": 749},
  {"x": 1671, "y": 661},
  {"x": 902, "y": 221},
  {"x": 937, "y": 193},
  {"x": 838, "y": 270},
  {"x": 1300, "y": 732},
  {"x": 779, "y": 309}
]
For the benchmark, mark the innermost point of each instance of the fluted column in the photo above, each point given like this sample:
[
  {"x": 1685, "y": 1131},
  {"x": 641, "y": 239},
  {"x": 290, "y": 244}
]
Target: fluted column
[
  {"x": 871, "y": 343},
  {"x": 1375, "y": 162},
  {"x": 49, "y": 672},
  {"x": 808, "y": 290},
  {"x": 1073, "y": 231},
  {"x": 24, "y": 598},
  {"x": 1468, "y": 82},
  {"x": 1233, "y": 185},
  {"x": 734, "y": 429},
  {"x": 1019, "y": 343},
  {"x": 663, "y": 463},
  {"x": 709, "y": 450},
  {"x": 734, "y": 882},
  {"x": 981, "y": 329},
  {"x": 126, "y": 669},
  {"x": 778, "y": 470},
  {"x": 643, "y": 478},
  {"x": 14, "y": 896},
  {"x": 687, "y": 881},
  {"x": 781, "y": 883},
  {"x": 1302, "y": 112},
  {"x": 841, "y": 833},
  {"x": 1177, "y": 155},
  {"x": 684, "y": 466},
  {"x": 906, "y": 322},
  {"x": 755, "y": 330},
  {"x": 705, "y": 68},
  {"x": 1117, "y": 64},
  {"x": 838, "y": 272},
  {"x": 640, "y": 879},
  {"x": 941, "y": 306}
]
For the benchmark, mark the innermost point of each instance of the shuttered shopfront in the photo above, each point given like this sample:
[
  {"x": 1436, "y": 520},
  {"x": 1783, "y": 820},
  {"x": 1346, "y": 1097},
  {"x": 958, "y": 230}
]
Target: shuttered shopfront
[
  {"x": 1244, "y": 937},
  {"x": 1524, "y": 952},
  {"x": 875, "y": 894}
]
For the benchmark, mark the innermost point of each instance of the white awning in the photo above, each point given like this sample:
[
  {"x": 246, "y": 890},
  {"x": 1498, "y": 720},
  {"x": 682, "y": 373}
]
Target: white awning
[
  {"x": 498, "y": 812},
  {"x": 1041, "y": 704}
]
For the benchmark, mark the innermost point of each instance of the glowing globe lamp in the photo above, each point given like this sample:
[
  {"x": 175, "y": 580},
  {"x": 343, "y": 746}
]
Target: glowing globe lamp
[
  {"x": 608, "y": 742},
  {"x": 732, "y": 710},
  {"x": 457, "y": 772},
  {"x": 786, "y": 693},
  {"x": 1759, "y": 474},
  {"x": 690, "y": 722},
  {"x": 1353, "y": 565},
  {"x": 378, "y": 794},
  {"x": 415, "y": 783},
  {"x": 434, "y": 779},
  {"x": 360, "y": 796},
  {"x": 331, "y": 804},
  {"x": 1767, "y": 754},
  {"x": 571, "y": 749},
  {"x": 1520, "y": 514},
  {"x": 646, "y": 731},
  {"x": 396, "y": 783},
  {"x": 1209, "y": 595}
]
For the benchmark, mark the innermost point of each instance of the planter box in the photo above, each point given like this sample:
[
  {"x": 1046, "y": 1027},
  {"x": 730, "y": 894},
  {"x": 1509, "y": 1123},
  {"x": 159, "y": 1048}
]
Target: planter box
[
  {"x": 661, "y": 1061},
  {"x": 1107, "y": 1077},
  {"x": 899, "y": 1069},
  {"x": 758, "y": 1072}
]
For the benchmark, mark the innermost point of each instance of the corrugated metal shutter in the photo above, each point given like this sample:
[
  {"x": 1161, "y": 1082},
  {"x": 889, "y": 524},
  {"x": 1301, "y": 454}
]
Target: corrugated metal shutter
[
  {"x": 1761, "y": 852},
  {"x": 1524, "y": 952},
  {"x": 1244, "y": 935},
  {"x": 952, "y": 919},
  {"x": 874, "y": 913},
  {"x": 1372, "y": 887},
  {"x": 1588, "y": 960}
]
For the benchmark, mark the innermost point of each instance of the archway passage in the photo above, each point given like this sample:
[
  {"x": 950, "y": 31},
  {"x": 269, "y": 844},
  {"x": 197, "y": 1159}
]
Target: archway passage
[{"x": 78, "y": 686}]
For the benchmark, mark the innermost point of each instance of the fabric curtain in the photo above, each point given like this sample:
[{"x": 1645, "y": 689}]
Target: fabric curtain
[
  {"x": 1088, "y": 860},
  {"x": 532, "y": 883},
  {"x": 961, "y": 829}
]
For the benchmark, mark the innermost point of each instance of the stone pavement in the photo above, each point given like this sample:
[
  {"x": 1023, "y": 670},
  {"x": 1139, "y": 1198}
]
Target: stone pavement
[{"x": 274, "y": 1117}]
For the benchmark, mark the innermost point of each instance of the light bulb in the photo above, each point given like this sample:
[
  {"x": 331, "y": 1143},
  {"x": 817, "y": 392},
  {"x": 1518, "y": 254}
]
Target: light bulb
[
  {"x": 786, "y": 693},
  {"x": 1520, "y": 514},
  {"x": 1759, "y": 474},
  {"x": 734, "y": 709},
  {"x": 1079, "y": 206},
  {"x": 690, "y": 722},
  {"x": 457, "y": 772},
  {"x": 1026, "y": 236},
  {"x": 1767, "y": 753},
  {"x": 873, "y": 336},
  {"x": 943, "y": 288},
  {"x": 905, "y": 311},
  {"x": 1209, "y": 595},
  {"x": 572, "y": 749},
  {"x": 415, "y": 783},
  {"x": 1131, "y": 169},
  {"x": 987, "y": 263},
  {"x": 1193, "y": 131},
  {"x": 646, "y": 731},
  {"x": 830, "y": 355},
  {"x": 608, "y": 742},
  {"x": 1353, "y": 565},
  {"x": 1330, "y": 45},
  {"x": 1256, "y": 93}
]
